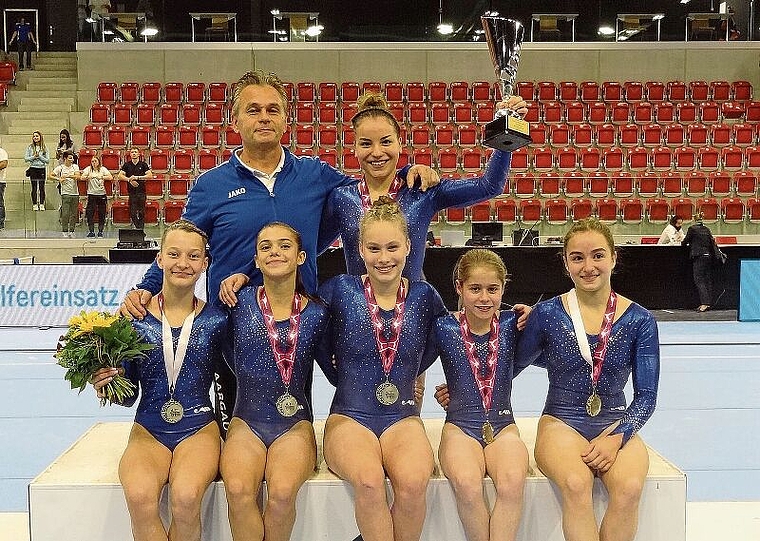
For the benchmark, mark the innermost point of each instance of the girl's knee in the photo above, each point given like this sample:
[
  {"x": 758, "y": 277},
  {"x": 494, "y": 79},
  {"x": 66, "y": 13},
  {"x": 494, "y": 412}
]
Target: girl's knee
[
  {"x": 626, "y": 492},
  {"x": 510, "y": 484},
  {"x": 185, "y": 499},
  {"x": 370, "y": 486},
  {"x": 467, "y": 489},
  {"x": 238, "y": 489},
  {"x": 411, "y": 488},
  {"x": 576, "y": 487}
]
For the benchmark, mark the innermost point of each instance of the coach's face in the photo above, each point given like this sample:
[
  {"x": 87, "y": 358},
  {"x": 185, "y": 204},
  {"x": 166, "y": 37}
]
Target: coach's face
[{"x": 260, "y": 116}]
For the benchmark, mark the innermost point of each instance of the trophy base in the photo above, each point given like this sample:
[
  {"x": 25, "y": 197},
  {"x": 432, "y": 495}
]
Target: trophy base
[{"x": 507, "y": 133}]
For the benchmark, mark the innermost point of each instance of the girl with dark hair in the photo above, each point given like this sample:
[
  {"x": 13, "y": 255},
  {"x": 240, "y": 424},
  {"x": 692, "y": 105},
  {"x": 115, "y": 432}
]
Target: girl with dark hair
[
  {"x": 65, "y": 143},
  {"x": 276, "y": 329}
]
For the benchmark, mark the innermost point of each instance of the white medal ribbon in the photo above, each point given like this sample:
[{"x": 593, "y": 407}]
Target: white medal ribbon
[
  {"x": 174, "y": 362},
  {"x": 580, "y": 330}
]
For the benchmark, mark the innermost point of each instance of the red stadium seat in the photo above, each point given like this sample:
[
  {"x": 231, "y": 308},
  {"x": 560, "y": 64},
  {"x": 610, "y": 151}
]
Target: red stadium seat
[
  {"x": 207, "y": 159},
  {"x": 567, "y": 159},
  {"x": 620, "y": 112},
  {"x": 720, "y": 183},
  {"x": 472, "y": 159},
  {"x": 217, "y": 92},
  {"x": 622, "y": 184},
  {"x": 638, "y": 159},
  {"x": 422, "y": 156},
  {"x": 575, "y": 112},
  {"x": 685, "y": 158},
  {"x": 634, "y": 91},
  {"x": 187, "y": 136},
  {"x": 328, "y": 92},
  {"x": 745, "y": 183},
  {"x": 165, "y": 137},
  {"x": 607, "y": 210},
  {"x": 708, "y": 208},
  {"x": 437, "y": 92},
  {"x": 655, "y": 91},
  {"x": 122, "y": 114},
  {"x": 415, "y": 92},
  {"x": 675, "y": 135},
  {"x": 590, "y": 159},
  {"x": 543, "y": 159},
  {"x": 92, "y": 136},
  {"x": 709, "y": 158},
  {"x": 631, "y": 211},
  {"x": 8, "y": 72},
  {"x": 683, "y": 206},
  {"x": 651, "y": 135},
  {"x": 481, "y": 91},
  {"x": 116, "y": 137},
  {"x": 743, "y": 134},
  {"x": 552, "y": 112},
  {"x": 598, "y": 112},
  {"x": 582, "y": 135},
  {"x": 677, "y": 91},
  {"x": 305, "y": 136},
  {"x": 526, "y": 90},
  {"x": 741, "y": 91},
  {"x": 463, "y": 113},
  {"x": 549, "y": 184},
  {"x": 686, "y": 112},
  {"x": 559, "y": 135},
  {"x": 506, "y": 211},
  {"x": 173, "y": 211},
  {"x": 556, "y": 211},
  {"x": 643, "y": 112},
  {"x": 440, "y": 113},
  {"x": 598, "y": 184},
  {"x": 720, "y": 90},
  {"x": 661, "y": 158},
  {"x": 145, "y": 115},
  {"x": 709, "y": 112},
  {"x": 168, "y": 114},
  {"x": 178, "y": 186},
  {"x": 753, "y": 210},
  {"x": 110, "y": 159},
  {"x": 612, "y": 91},
  {"x": 174, "y": 92},
  {"x": 647, "y": 184},
  {"x": 328, "y": 114},
  {"x": 699, "y": 91},
  {"x": 231, "y": 137},
  {"x": 657, "y": 210},
  {"x": 100, "y": 114},
  {"x": 349, "y": 91},
  {"x": 347, "y": 112},
  {"x": 530, "y": 210},
  {"x": 305, "y": 91},
  {"x": 468, "y": 135},
  {"x": 732, "y": 210},
  {"x": 150, "y": 93},
  {"x": 630, "y": 135},
  {"x": 524, "y": 185},
  {"x": 481, "y": 212},
  {"x": 329, "y": 156},
  {"x": 459, "y": 91},
  {"x": 108, "y": 92},
  {"x": 120, "y": 213},
  {"x": 520, "y": 159},
  {"x": 456, "y": 215},
  {"x": 696, "y": 183},
  {"x": 606, "y": 135},
  {"x": 191, "y": 114},
  {"x": 672, "y": 184},
  {"x": 613, "y": 159},
  {"x": 731, "y": 158},
  {"x": 581, "y": 209},
  {"x": 665, "y": 112},
  {"x": 568, "y": 91},
  {"x": 394, "y": 91},
  {"x": 305, "y": 113},
  {"x": 546, "y": 91},
  {"x": 85, "y": 156},
  {"x": 574, "y": 184},
  {"x": 590, "y": 91}
]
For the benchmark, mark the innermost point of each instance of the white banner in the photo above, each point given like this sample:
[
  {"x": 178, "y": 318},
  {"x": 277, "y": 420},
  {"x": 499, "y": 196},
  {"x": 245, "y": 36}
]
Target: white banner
[{"x": 48, "y": 295}]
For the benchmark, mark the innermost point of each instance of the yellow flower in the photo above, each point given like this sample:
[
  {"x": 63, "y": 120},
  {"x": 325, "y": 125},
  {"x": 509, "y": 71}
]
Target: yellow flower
[{"x": 87, "y": 321}]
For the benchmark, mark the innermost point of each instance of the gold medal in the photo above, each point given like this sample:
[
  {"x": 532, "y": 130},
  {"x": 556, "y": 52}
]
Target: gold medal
[
  {"x": 172, "y": 411},
  {"x": 387, "y": 393},
  {"x": 287, "y": 405},
  {"x": 487, "y": 431},
  {"x": 594, "y": 404}
]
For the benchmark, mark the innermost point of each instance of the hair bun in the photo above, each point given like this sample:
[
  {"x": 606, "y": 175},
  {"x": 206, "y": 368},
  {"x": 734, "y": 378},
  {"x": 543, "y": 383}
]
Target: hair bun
[{"x": 371, "y": 100}]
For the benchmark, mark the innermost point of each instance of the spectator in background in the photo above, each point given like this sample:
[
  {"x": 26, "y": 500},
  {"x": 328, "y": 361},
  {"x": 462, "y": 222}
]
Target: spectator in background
[
  {"x": 65, "y": 143},
  {"x": 3, "y": 167},
  {"x": 96, "y": 176},
  {"x": 24, "y": 38},
  {"x": 672, "y": 234},
  {"x": 67, "y": 175},
  {"x": 37, "y": 157},
  {"x": 135, "y": 172},
  {"x": 702, "y": 249}
]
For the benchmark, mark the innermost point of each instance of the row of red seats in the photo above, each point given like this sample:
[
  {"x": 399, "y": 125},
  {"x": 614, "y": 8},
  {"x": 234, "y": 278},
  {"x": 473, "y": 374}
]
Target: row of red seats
[
  {"x": 635, "y": 91},
  {"x": 437, "y": 91},
  {"x": 630, "y": 211},
  {"x": 174, "y": 186},
  {"x": 572, "y": 184},
  {"x": 628, "y": 135},
  {"x": 638, "y": 158},
  {"x": 645, "y": 112},
  {"x": 155, "y": 212},
  {"x": 94, "y": 136},
  {"x": 160, "y": 160}
]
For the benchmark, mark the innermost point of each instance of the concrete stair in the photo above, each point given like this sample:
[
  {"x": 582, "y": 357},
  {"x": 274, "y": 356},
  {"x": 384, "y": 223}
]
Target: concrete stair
[{"x": 43, "y": 99}]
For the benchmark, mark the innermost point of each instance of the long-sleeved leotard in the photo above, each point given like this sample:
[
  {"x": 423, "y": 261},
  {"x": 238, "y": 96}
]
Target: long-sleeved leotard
[
  {"x": 259, "y": 383},
  {"x": 343, "y": 212},
  {"x": 208, "y": 333},
  {"x": 465, "y": 408},
  {"x": 359, "y": 369},
  {"x": 549, "y": 341}
]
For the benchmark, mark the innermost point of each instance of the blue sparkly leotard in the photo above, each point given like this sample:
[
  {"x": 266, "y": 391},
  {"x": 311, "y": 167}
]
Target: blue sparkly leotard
[
  {"x": 208, "y": 333},
  {"x": 359, "y": 368},
  {"x": 259, "y": 383},
  {"x": 633, "y": 348},
  {"x": 466, "y": 406},
  {"x": 343, "y": 212}
]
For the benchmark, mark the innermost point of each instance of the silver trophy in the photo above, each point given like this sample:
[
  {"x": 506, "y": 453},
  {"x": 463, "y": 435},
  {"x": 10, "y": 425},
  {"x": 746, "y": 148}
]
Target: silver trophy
[{"x": 508, "y": 131}]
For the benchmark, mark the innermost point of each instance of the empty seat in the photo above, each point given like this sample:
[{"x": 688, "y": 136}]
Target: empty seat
[
  {"x": 448, "y": 159},
  {"x": 92, "y": 136},
  {"x": 665, "y": 112},
  {"x": 598, "y": 112},
  {"x": 655, "y": 90},
  {"x": 415, "y": 92},
  {"x": 524, "y": 184},
  {"x": 159, "y": 160},
  {"x": 709, "y": 112},
  {"x": 732, "y": 210},
  {"x": 629, "y": 135},
  {"x": 622, "y": 184},
  {"x": 631, "y": 211},
  {"x": 472, "y": 159},
  {"x": 745, "y": 183},
  {"x": 699, "y": 91},
  {"x": 741, "y": 90},
  {"x": 598, "y": 184},
  {"x": 556, "y": 211},
  {"x": 173, "y": 211},
  {"x": 581, "y": 209},
  {"x": 696, "y": 183},
  {"x": 552, "y": 112},
  {"x": 606, "y": 135},
  {"x": 480, "y": 212},
  {"x": 329, "y": 156},
  {"x": 459, "y": 91},
  {"x": 122, "y": 114},
  {"x": 526, "y": 90},
  {"x": 168, "y": 114},
  {"x": 589, "y": 91},
  {"x": 708, "y": 208},
  {"x": 674, "y": 135},
  {"x": 720, "y": 90},
  {"x": 661, "y": 158},
  {"x": 100, "y": 114},
  {"x": 505, "y": 211},
  {"x": 575, "y": 112},
  {"x": 634, "y": 91},
  {"x": 682, "y": 207},
  {"x": 116, "y": 137},
  {"x": 108, "y": 92},
  {"x": 574, "y": 184},
  {"x": 647, "y": 184},
  {"x": 582, "y": 135},
  {"x": 685, "y": 158},
  {"x": 643, "y": 112},
  {"x": 686, "y": 112},
  {"x": 742, "y": 134},
  {"x": 305, "y": 113},
  {"x": 481, "y": 91},
  {"x": 174, "y": 92},
  {"x": 328, "y": 92},
  {"x": 145, "y": 115},
  {"x": 657, "y": 210},
  {"x": 305, "y": 91},
  {"x": 709, "y": 158},
  {"x": 549, "y": 183},
  {"x": 120, "y": 213},
  {"x": 191, "y": 114},
  {"x": 612, "y": 91},
  {"x": 455, "y": 215},
  {"x": 720, "y": 183},
  {"x": 590, "y": 159},
  {"x": 651, "y": 135},
  {"x": 437, "y": 91},
  {"x": 671, "y": 184},
  {"x": 231, "y": 137},
  {"x": 638, "y": 159},
  {"x": 753, "y": 210},
  {"x": 349, "y": 91},
  {"x": 613, "y": 158},
  {"x": 530, "y": 210},
  {"x": 607, "y": 210},
  {"x": 620, "y": 112},
  {"x": 731, "y": 158},
  {"x": 440, "y": 113},
  {"x": 207, "y": 159}
]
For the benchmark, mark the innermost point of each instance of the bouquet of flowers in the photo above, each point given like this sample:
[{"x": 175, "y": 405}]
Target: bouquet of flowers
[{"x": 98, "y": 340}]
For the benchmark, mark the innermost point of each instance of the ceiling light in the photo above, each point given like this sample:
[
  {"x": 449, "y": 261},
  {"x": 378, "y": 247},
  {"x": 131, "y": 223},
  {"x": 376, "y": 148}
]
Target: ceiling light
[
  {"x": 606, "y": 30},
  {"x": 445, "y": 29}
]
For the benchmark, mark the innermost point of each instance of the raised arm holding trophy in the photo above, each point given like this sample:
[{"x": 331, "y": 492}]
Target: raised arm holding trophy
[{"x": 508, "y": 131}]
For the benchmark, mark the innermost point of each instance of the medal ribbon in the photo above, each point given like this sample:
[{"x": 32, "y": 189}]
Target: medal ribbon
[
  {"x": 597, "y": 360},
  {"x": 283, "y": 357},
  {"x": 364, "y": 192},
  {"x": 386, "y": 348},
  {"x": 485, "y": 383},
  {"x": 173, "y": 362}
]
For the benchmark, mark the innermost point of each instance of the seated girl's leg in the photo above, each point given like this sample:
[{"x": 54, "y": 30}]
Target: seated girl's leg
[
  {"x": 625, "y": 482},
  {"x": 353, "y": 452},
  {"x": 195, "y": 464},
  {"x": 408, "y": 459},
  {"x": 463, "y": 464},
  {"x": 242, "y": 465},
  {"x": 558, "y": 454},
  {"x": 507, "y": 465},
  {"x": 290, "y": 462},
  {"x": 143, "y": 472}
]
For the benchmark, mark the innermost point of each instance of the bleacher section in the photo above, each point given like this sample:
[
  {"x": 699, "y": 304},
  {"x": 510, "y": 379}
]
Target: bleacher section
[{"x": 628, "y": 152}]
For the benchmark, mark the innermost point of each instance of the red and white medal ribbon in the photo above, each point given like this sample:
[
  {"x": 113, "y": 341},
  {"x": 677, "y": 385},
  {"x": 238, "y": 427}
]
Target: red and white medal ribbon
[
  {"x": 386, "y": 348},
  {"x": 597, "y": 359},
  {"x": 283, "y": 357},
  {"x": 485, "y": 382},
  {"x": 173, "y": 360},
  {"x": 367, "y": 200}
]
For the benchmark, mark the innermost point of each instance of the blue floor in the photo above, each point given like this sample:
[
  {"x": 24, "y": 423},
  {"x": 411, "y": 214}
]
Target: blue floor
[{"x": 707, "y": 420}]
